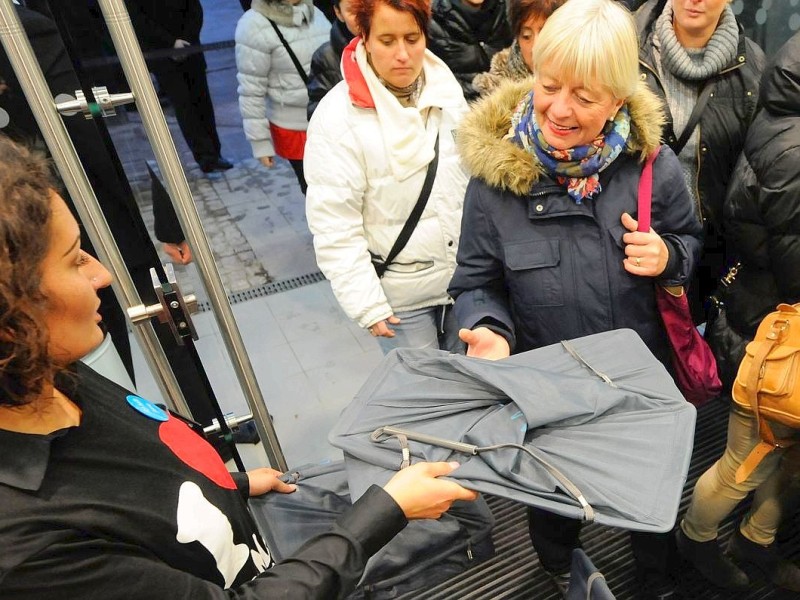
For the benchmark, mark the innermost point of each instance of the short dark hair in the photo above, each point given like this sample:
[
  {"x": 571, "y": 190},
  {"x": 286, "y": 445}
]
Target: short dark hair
[
  {"x": 520, "y": 11},
  {"x": 364, "y": 10},
  {"x": 25, "y": 211}
]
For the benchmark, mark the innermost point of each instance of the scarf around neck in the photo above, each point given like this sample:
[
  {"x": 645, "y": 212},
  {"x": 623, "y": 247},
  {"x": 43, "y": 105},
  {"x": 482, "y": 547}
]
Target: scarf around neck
[
  {"x": 693, "y": 66},
  {"x": 576, "y": 168}
]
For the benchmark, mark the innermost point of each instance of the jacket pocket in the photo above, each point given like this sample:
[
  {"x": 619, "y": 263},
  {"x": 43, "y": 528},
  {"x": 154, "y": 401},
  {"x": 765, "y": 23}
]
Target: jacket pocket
[{"x": 535, "y": 278}]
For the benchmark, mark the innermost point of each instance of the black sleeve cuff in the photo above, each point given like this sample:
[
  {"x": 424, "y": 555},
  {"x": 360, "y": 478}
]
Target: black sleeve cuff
[
  {"x": 498, "y": 328},
  {"x": 673, "y": 261},
  {"x": 373, "y": 520},
  {"x": 242, "y": 481}
]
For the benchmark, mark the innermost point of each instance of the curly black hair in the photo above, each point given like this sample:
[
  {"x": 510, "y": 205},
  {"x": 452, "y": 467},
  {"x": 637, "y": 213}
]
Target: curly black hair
[{"x": 26, "y": 183}]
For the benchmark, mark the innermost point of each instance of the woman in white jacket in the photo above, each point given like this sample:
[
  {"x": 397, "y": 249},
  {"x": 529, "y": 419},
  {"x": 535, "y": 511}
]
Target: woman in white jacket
[
  {"x": 369, "y": 145},
  {"x": 272, "y": 92}
]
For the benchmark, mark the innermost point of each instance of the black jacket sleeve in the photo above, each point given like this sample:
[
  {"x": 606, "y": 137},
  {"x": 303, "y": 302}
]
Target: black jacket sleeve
[
  {"x": 327, "y": 567},
  {"x": 674, "y": 220},
  {"x": 324, "y": 75},
  {"x": 158, "y": 23}
]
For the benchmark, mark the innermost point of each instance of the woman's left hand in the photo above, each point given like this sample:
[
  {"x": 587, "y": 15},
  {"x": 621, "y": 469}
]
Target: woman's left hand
[
  {"x": 266, "y": 480},
  {"x": 646, "y": 254}
]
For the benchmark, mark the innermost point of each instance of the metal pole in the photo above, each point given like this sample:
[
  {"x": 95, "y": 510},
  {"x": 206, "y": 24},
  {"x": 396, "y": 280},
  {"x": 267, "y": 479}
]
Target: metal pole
[
  {"x": 37, "y": 93},
  {"x": 136, "y": 72}
]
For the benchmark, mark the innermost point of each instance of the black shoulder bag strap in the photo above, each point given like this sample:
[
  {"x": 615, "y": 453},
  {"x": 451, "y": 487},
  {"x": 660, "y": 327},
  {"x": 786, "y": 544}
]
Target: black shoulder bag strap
[
  {"x": 416, "y": 213},
  {"x": 292, "y": 55},
  {"x": 694, "y": 118}
]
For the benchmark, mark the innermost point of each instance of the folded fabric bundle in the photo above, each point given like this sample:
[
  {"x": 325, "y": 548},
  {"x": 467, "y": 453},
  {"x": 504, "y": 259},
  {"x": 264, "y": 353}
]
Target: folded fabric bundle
[{"x": 600, "y": 410}]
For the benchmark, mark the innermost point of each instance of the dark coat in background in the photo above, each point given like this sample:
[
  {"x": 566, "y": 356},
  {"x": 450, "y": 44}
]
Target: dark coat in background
[
  {"x": 467, "y": 38},
  {"x": 158, "y": 23},
  {"x": 762, "y": 209},
  {"x": 724, "y": 122},
  {"x": 89, "y": 138},
  {"x": 547, "y": 269},
  {"x": 723, "y": 126},
  {"x": 325, "y": 65}
]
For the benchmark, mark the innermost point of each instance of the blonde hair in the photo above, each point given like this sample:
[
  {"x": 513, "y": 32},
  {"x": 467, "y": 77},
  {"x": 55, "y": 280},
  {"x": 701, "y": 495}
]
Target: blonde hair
[{"x": 593, "y": 42}]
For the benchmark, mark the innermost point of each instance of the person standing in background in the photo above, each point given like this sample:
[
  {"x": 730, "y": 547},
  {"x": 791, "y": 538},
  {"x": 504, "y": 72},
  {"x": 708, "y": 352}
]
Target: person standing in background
[
  {"x": 163, "y": 24},
  {"x": 762, "y": 217},
  {"x": 326, "y": 71},
  {"x": 275, "y": 40},
  {"x": 695, "y": 56},
  {"x": 371, "y": 143},
  {"x": 466, "y": 34},
  {"x": 527, "y": 18}
]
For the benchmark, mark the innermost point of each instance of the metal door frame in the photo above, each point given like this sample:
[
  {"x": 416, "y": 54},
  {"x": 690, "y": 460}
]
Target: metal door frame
[{"x": 37, "y": 93}]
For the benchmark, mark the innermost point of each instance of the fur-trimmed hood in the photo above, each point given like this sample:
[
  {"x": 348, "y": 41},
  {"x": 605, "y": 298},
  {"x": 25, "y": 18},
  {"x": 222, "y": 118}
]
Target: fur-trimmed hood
[
  {"x": 504, "y": 165},
  {"x": 498, "y": 72}
]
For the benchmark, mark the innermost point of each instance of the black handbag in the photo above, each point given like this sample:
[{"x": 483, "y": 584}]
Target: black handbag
[{"x": 727, "y": 344}]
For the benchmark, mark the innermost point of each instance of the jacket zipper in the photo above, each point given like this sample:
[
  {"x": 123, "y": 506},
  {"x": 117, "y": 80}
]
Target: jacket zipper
[{"x": 697, "y": 176}]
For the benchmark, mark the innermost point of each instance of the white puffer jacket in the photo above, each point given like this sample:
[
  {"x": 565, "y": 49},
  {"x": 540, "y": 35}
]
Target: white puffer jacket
[
  {"x": 365, "y": 163},
  {"x": 270, "y": 88}
]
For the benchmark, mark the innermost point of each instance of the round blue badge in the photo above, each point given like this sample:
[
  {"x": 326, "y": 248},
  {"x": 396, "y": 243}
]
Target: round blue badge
[{"x": 147, "y": 408}]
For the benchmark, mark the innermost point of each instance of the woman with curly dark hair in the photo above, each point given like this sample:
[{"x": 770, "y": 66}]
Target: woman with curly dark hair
[
  {"x": 527, "y": 18},
  {"x": 24, "y": 184},
  {"x": 107, "y": 495}
]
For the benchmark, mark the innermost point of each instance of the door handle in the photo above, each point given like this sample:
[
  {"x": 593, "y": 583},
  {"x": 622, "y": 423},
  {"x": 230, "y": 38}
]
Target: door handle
[{"x": 104, "y": 106}]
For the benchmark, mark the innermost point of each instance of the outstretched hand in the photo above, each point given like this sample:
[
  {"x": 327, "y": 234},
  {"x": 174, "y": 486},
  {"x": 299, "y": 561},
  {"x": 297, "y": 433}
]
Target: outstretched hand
[
  {"x": 420, "y": 495},
  {"x": 267, "y": 480},
  {"x": 482, "y": 342},
  {"x": 646, "y": 254}
]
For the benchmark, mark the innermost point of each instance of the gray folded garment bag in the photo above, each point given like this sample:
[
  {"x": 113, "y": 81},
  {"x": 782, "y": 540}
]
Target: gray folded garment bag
[{"x": 600, "y": 411}]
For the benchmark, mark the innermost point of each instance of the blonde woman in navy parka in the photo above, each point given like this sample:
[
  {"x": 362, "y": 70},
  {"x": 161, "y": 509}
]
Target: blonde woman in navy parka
[{"x": 548, "y": 255}]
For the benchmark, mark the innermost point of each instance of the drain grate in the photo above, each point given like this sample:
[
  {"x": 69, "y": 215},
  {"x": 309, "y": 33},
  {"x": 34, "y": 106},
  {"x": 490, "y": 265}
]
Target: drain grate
[{"x": 267, "y": 290}]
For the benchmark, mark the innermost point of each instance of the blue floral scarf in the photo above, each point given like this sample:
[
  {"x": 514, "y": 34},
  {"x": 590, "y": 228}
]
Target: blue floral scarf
[{"x": 575, "y": 168}]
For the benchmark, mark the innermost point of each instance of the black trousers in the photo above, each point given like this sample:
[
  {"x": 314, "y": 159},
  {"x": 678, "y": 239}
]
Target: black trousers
[
  {"x": 297, "y": 165},
  {"x": 186, "y": 86},
  {"x": 554, "y": 537}
]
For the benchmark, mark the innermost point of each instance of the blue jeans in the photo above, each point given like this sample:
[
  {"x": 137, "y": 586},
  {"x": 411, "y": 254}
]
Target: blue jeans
[{"x": 432, "y": 327}]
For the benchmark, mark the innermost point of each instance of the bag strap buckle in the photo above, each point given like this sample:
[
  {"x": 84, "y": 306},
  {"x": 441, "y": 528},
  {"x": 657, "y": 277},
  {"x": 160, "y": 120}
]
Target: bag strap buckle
[{"x": 778, "y": 330}]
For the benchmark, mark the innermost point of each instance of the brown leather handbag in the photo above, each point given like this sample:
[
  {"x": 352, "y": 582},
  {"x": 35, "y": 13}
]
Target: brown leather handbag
[{"x": 768, "y": 382}]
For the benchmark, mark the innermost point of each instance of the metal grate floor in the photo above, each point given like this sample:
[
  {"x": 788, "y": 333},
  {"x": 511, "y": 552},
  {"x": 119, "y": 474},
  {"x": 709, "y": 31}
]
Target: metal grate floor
[
  {"x": 514, "y": 573},
  {"x": 267, "y": 290}
]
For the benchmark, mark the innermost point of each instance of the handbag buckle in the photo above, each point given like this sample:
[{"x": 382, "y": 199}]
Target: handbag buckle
[
  {"x": 730, "y": 276},
  {"x": 778, "y": 329}
]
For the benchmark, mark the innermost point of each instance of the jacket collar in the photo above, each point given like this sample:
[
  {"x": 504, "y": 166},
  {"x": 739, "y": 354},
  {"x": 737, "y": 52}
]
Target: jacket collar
[
  {"x": 25, "y": 458},
  {"x": 357, "y": 86},
  {"x": 405, "y": 131},
  {"x": 340, "y": 36},
  {"x": 503, "y": 164},
  {"x": 283, "y": 13}
]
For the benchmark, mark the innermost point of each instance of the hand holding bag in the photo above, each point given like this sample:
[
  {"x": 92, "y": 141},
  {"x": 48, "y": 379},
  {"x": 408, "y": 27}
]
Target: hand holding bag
[
  {"x": 767, "y": 383},
  {"x": 692, "y": 359}
]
